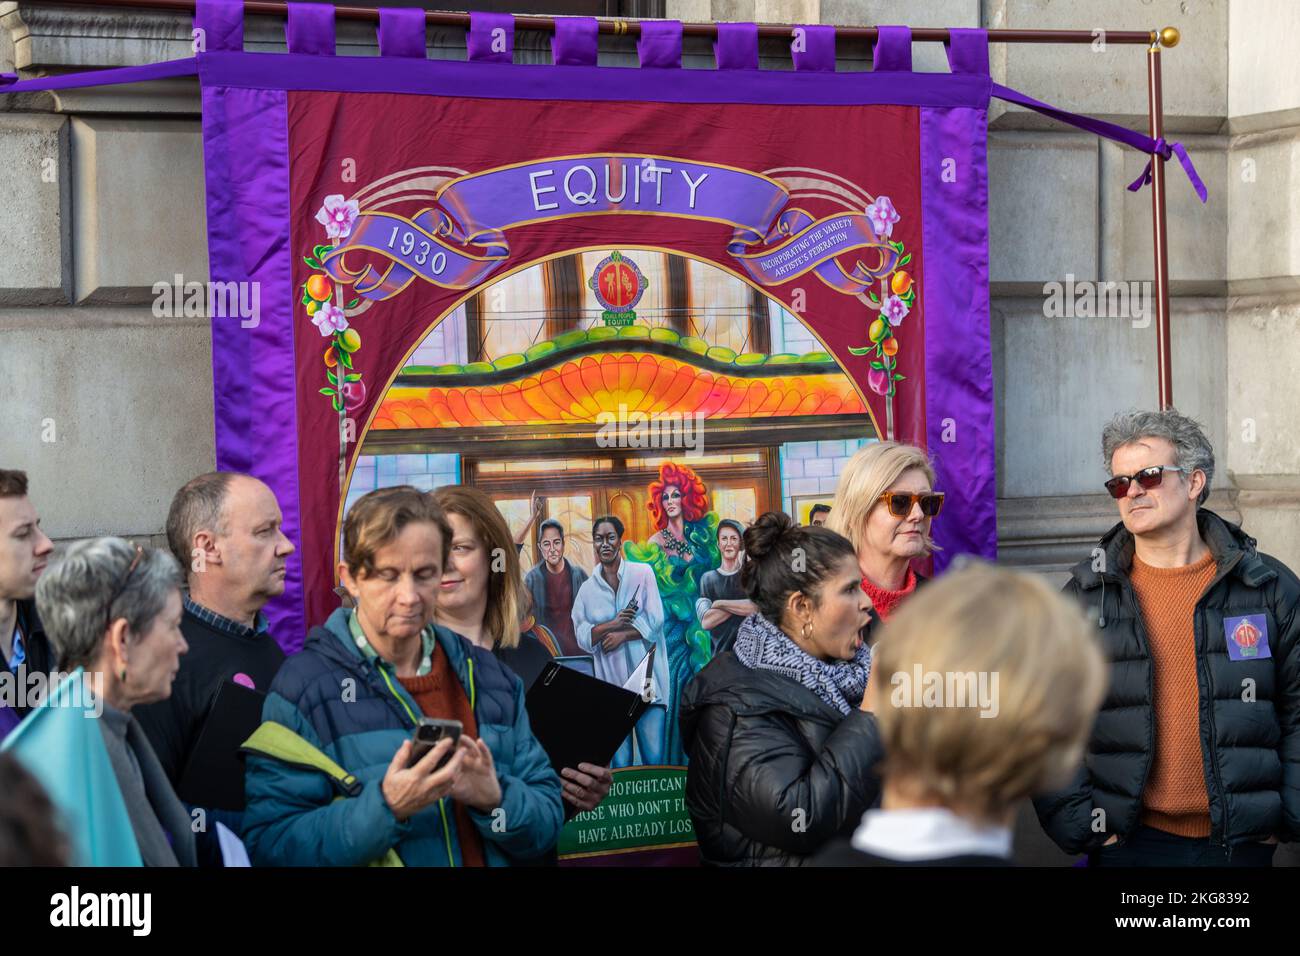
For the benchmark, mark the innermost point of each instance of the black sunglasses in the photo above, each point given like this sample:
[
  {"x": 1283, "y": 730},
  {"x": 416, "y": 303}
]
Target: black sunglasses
[
  {"x": 1146, "y": 478},
  {"x": 900, "y": 503}
]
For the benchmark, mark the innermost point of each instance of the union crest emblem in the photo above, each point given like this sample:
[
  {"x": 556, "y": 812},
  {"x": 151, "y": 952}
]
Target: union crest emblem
[
  {"x": 1246, "y": 637},
  {"x": 618, "y": 285}
]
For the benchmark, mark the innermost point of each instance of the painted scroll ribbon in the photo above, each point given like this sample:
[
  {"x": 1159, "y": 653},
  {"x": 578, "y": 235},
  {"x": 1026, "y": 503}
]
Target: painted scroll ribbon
[{"x": 772, "y": 243}]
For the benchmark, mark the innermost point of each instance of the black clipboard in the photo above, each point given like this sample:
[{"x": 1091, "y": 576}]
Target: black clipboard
[
  {"x": 214, "y": 774},
  {"x": 580, "y": 719}
]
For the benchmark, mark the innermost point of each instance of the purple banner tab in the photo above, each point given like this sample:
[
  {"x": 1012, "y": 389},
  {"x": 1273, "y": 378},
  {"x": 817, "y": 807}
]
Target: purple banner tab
[
  {"x": 968, "y": 51},
  {"x": 576, "y": 41},
  {"x": 222, "y": 23},
  {"x": 310, "y": 29},
  {"x": 813, "y": 49},
  {"x": 737, "y": 46},
  {"x": 893, "y": 50},
  {"x": 660, "y": 45},
  {"x": 401, "y": 33},
  {"x": 491, "y": 37}
]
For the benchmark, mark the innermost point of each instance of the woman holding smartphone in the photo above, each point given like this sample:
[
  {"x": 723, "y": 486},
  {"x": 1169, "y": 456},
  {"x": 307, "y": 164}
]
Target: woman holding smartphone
[
  {"x": 481, "y": 597},
  {"x": 330, "y": 780}
]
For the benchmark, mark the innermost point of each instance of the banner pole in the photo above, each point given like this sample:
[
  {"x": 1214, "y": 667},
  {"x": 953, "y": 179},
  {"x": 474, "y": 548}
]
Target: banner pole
[
  {"x": 1160, "y": 237},
  {"x": 632, "y": 26}
]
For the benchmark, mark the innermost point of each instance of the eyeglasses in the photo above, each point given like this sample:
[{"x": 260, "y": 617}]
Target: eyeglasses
[
  {"x": 900, "y": 503},
  {"x": 117, "y": 591},
  {"x": 1146, "y": 478}
]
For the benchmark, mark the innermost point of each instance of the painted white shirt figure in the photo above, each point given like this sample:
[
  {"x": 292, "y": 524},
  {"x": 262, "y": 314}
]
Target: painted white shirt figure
[{"x": 596, "y": 603}]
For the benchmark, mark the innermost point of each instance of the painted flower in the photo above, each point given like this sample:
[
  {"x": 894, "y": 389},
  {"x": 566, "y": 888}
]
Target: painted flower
[
  {"x": 882, "y": 215},
  {"x": 338, "y": 215},
  {"x": 329, "y": 319},
  {"x": 894, "y": 309}
]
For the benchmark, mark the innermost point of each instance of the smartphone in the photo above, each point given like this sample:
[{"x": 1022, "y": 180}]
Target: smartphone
[{"x": 428, "y": 732}]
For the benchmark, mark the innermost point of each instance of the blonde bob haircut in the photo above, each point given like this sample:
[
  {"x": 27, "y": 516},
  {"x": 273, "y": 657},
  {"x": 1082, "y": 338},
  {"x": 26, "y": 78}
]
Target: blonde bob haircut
[
  {"x": 1004, "y": 630},
  {"x": 506, "y": 595},
  {"x": 867, "y": 476}
]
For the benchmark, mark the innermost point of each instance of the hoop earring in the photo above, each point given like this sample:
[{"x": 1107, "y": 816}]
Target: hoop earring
[
  {"x": 122, "y": 676},
  {"x": 805, "y": 631}
]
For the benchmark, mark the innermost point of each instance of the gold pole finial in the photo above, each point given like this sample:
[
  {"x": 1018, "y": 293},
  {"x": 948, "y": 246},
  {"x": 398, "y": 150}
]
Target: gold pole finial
[{"x": 1170, "y": 36}]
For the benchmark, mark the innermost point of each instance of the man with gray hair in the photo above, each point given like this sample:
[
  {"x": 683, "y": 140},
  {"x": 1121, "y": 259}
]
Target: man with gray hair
[
  {"x": 1195, "y": 756},
  {"x": 224, "y": 529}
]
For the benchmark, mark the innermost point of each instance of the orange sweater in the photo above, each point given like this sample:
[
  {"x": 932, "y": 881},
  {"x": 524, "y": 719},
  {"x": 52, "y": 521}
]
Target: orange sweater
[{"x": 1174, "y": 799}]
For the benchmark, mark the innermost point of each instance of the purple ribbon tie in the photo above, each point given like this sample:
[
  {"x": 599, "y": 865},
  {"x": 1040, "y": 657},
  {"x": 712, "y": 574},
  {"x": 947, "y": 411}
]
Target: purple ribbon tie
[{"x": 1164, "y": 151}]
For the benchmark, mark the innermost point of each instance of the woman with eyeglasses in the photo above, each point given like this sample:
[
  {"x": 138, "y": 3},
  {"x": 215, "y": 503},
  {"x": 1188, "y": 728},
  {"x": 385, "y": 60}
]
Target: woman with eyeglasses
[{"x": 884, "y": 503}]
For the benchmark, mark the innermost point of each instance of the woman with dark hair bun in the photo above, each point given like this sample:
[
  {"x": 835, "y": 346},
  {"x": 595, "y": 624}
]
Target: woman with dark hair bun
[{"x": 781, "y": 750}]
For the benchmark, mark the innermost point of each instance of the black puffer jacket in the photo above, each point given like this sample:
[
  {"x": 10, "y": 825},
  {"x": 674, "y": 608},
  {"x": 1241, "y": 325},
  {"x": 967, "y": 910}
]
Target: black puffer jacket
[
  {"x": 774, "y": 772},
  {"x": 1250, "y": 748}
]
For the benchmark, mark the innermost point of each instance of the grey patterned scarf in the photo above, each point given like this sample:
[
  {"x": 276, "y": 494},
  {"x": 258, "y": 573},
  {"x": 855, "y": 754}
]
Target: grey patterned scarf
[{"x": 762, "y": 645}]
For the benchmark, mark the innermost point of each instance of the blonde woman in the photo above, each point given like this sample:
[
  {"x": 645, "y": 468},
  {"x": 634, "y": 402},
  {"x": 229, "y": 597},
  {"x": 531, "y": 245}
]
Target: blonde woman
[
  {"x": 884, "y": 504},
  {"x": 980, "y": 705}
]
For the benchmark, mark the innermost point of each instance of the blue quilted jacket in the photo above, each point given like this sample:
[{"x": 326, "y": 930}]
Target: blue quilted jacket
[{"x": 357, "y": 713}]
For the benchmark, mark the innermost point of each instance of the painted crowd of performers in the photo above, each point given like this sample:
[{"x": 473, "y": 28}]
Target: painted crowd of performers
[{"x": 677, "y": 594}]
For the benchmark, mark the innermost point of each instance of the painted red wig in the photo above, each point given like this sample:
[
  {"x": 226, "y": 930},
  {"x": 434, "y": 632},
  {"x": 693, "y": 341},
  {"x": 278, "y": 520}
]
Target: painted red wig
[{"x": 695, "y": 502}]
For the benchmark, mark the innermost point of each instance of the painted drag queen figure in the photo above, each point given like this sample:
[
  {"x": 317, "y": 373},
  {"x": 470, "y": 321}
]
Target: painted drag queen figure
[{"x": 680, "y": 552}]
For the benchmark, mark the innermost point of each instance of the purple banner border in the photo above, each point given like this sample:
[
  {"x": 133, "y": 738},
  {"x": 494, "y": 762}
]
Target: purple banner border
[
  {"x": 959, "y": 411},
  {"x": 248, "y": 241},
  {"x": 288, "y": 71}
]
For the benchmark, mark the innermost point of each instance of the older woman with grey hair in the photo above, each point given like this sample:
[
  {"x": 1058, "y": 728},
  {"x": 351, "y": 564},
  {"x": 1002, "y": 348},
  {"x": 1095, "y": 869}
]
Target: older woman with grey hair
[{"x": 114, "y": 609}]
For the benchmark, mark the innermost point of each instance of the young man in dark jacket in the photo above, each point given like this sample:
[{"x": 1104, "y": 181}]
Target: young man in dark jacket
[
  {"x": 1195, "y": 756},
  {"x": 24, "y": 551}
]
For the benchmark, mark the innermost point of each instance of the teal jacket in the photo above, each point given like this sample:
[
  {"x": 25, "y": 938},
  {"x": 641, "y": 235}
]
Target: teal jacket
[{"x": 357, "y": 712}]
